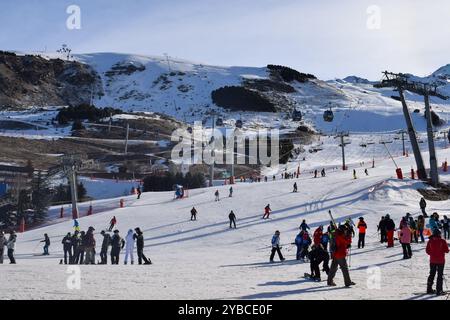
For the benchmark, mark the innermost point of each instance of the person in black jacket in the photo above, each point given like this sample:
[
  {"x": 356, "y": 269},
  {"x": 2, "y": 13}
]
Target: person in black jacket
[
  {"x": 382, "y": 229},
  {"x": 67, "y": 247},
  {"x": 117, "y": 243},
  {"x": 46, "y": 242},
  {"x": 193, "y": 214},
  {"x": 423, "y": 205},
  {"x": 79, "y": 257},
  {"x": 74, "y": 241},
  {"x": 105, "y": 244},
  {"x": 316, "y": 256},
  {"x": 390, "y": 228},
  {"x": 232, "y": 218},
  {"x": 139, "y": 237}
]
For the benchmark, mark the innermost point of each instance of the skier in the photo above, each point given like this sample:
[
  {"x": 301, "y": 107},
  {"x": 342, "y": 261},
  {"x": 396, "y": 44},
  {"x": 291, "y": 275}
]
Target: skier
[
  {"x": 436, "y": 249},
  {"x": 80, "y": 245},
  {"x": 232, "y": 218},
  {"x": 405, "y": 238},
  {"x": 3, "y": 242},
  {"x": 89, "y": 246},
  {"x": 75, "y": 250},
  {"x": 299, "y": 244},
  {"x": 421, "y": 227},
  {"x": 446, "y": 226},
  {"x": 382, "y": 229},
  {"x": 276, "y": 246},
  {"x": 193, "y": 214},
  {"x": 139, "y": 192},
  {"x": 67, "y": 248},
  {"x": 295, "y": 187},
  {"x": 354, "y": 174},
  {"x": 349, "y": 224},
  {"x": 366, "y": 172},
  {"x": 315, "y": 173},
  {"x": 342, "y": 241},
  {"x": 112, "y": 223},
  {"x": 76, "y": 226},
  {"x": 267, "y": 211},
  {"x": 324, "y": 241},
  {"x": 317, "y": 237},
  {"x": 231, "y": 192},
  {"x": 390, "y": 228},
  {"x": 117, "y": 243},
  {"x": 423, "y": 205},
  {"x": 129, "y": 246},
  {"x": 46, "y": 242},
  {"x": 139, "y": 237},
  {"x": 362, "y": 226},
  {"x": 323, "y": 172},
  {"x": 105, "y": 244},
  {"x": 316, "y": 256},
  {"x": 303, "y": 226},
  {"x": 217, "y": 195},
  {"x": 306, "y": 242}
]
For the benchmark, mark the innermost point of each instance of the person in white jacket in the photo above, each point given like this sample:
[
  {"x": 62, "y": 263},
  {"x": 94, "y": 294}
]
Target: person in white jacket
[{"x": 129, "y": 246}]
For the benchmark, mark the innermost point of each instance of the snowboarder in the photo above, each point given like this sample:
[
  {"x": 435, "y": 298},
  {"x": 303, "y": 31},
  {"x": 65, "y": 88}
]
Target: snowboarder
[
  {"x": 67, "y": 248},
  {"x": 342, "y": 240},
  {"x": 112, "y": 223},
  {"x": 362, "y": 226},
  {"x": 231, "y": 192},
  {"x": 3, "y": 242},
  {"x": 390, "y": 228},
  {"x": 354, "y": 174},
  {"x": 46, "y": 242},
  {"x": 303, "y": 226},
  {"x": 10, "y": 245},
  {"x": 295, "y": 187},
  {"x": 139, "y": 192},
  {"x": 405, "y": 238},
  {"x": 382, "y": 229},
  {"x": 423, "y": 205},
  {"x": 105, "y": 244},
  {"x": 193, "y": 214},
  {"x": 129, "y": 246},
  {"x": 446, "y": 227},
  {"x": 217, "y": 195},
  {"x": 436, "y": 249},
  {"x": 139, "y": 237},
  {"x": 276, "y": 246},
  {"x": 89, "y": 246},
  {"x": 316, "y": 256},
  {"x": 117, "y": 243},
  {"x": 232, "y": 218},
  {"x": 267, "y": 211}
]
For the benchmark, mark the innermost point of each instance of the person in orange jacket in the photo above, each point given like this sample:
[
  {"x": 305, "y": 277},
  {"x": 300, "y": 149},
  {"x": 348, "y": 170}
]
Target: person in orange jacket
[
  {"x": 362, "y": 226},
  {"x": 342, "y": 241}
]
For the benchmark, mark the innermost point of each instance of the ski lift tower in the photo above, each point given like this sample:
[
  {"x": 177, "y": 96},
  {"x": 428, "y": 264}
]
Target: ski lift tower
[
  {"x": 402, "y": 83},
  {"x": 70, "y": 164}
]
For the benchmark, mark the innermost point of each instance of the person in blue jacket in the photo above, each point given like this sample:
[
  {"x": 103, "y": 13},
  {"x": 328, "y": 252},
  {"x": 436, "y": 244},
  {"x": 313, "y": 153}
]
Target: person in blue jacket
[
  {"x": 324, "y": 241},
  {"x": 434, "y": 222},
  {"x": 304, "y": 226},
  {"x": 299, "y": 243}
]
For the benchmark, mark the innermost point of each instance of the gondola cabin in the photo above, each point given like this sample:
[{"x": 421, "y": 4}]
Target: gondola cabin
[
  {"x": 219, "y": 122},
  {"x": 297, "y": 115},
  {"x": 328, "y": 115},
  {"x": 239, "y": 124}
]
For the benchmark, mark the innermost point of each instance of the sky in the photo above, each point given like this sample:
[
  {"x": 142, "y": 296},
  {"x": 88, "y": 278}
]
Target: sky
[{"x": 328, "y": 38}]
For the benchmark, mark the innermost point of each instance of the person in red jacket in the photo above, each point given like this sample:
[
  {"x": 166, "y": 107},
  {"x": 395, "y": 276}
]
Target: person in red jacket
[
  {"x": 362, "y": 226},
  {"x": 317, "y": 238},
  {"x": 436, "y": 249},
  {"x": 267, "y": 211},
  {"x": 343, "y": 241}
]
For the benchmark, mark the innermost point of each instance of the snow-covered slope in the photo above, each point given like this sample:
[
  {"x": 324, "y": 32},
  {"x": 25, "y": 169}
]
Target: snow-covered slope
[{"x": 204, "y": 259}]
